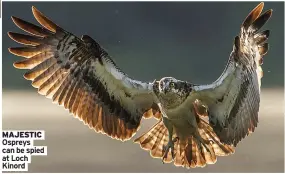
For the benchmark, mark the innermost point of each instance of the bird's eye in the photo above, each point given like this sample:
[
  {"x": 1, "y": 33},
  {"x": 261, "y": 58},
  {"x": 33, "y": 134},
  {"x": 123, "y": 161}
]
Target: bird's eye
[{"x": 171, "y": 84}]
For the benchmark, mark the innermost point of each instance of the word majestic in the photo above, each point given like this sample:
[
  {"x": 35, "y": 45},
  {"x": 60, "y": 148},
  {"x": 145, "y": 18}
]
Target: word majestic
[{"x": 21, "y": 134}]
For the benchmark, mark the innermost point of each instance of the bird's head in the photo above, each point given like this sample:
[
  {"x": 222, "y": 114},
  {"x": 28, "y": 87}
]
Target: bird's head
[
  {"x": 171, "y": 91},
  {"x": 170, "y": 85}
]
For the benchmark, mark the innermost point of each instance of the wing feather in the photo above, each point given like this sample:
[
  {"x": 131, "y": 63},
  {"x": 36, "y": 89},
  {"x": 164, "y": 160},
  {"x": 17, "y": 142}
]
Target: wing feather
[
  {"x": 79, "y": 75},
  {"x": 25, "y": 39},
  {"x": 43, "y": 20},
  {"x": 31, "y": 28},
  {"x": 233, "y": 100}
]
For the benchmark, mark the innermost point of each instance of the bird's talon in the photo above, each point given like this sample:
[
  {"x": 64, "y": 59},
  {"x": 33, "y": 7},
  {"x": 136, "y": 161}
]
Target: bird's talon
[
  {"x": 172, "y": 153},
  {"x": 169, "y": 146},
  {"x": 175, "y": 139},
  {"x": 163, "y": 149}
]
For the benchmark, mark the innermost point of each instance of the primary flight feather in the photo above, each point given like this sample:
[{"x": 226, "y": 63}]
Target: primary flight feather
[{"x": 196, "y": 123}]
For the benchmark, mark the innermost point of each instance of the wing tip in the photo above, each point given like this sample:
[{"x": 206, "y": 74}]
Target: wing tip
[
  {"x": 261, "y": 4},
  {"x": 13, "y": 36},
  {"x": 269, "y": 13},
  {"x": 43, "y": 20},
  {"x": 29, "y": 76},
  {"x": 18, "y": 22},
  {"x": 35, "y": 11},
  {"x": 15, "y": 51},
  {"x": 34, "y": 8},
  {"x": 10, "y": 34},
  {"x": 261, "y": 20},
  {"x": 259, "y": 7},
  {"x": 14, "y": 19},
  {"x": 19, "y": 65},
  {"x": 11, "y": 50},
  {"x": 253, "y": 15}
]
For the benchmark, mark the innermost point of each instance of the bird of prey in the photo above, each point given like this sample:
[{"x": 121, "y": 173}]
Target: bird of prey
[{"x": 196, "y": 123}]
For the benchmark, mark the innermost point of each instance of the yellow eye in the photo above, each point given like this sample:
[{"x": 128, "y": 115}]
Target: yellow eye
[{"x": 171, "y": 84}]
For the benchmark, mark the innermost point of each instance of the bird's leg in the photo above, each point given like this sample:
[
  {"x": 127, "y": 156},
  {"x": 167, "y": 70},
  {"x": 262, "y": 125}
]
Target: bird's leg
[
  {"x": 193, "y": 120},
  {"x": 169, "y": 127},
  {"x": 170, "y": 144}
]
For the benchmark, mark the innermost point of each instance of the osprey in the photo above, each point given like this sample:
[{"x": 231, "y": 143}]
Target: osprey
[{"x": 196, "y": 123}]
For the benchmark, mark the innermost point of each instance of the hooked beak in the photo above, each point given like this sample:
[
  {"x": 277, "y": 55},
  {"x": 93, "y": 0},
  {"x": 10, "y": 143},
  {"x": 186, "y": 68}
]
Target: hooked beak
[
  {"x": 161, "y": 89},
  {"x": 164, "y": 90}
]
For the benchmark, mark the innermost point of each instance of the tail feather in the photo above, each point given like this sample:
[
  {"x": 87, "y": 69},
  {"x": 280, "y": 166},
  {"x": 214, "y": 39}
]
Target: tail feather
[
  {"x": 179, "y": 151},
  {"x": 210, "y": 157},
  {"x": 157, "y": 148},
  {"x": 154, "y": 140},
  {"x": 188, "y": 153},
  {"x": 220, "y": 149},
  {"x": 147, "y": 140}
]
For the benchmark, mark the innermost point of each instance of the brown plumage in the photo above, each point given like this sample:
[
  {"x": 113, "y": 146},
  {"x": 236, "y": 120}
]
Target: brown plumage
[
  {"x": 239, "y": 120},
  {"x": 64, "y": 84},
  {"x": 187, "y": 152},
  {"x": 78, "y": 74},
  {"x": 235, "y": 120}
]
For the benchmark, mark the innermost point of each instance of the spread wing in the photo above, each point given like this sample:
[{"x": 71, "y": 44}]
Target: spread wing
[
  {"x": 79, "y": 75},
  {"x": 233, "y": 99}
]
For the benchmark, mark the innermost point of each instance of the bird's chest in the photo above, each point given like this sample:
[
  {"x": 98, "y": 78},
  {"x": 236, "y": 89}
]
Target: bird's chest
[
  {"x": 182, "y": 120},
  {"x": 170, "y": 101},
  {"x": 178, "y": 113},
  {"x": 174, "y": 106}
]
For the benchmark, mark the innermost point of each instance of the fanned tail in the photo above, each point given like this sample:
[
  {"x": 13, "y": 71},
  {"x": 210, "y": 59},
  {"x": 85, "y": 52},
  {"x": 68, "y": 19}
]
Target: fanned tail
[
  {"x": 154, "y": 140},
  {"x": 188, "y": 153}
]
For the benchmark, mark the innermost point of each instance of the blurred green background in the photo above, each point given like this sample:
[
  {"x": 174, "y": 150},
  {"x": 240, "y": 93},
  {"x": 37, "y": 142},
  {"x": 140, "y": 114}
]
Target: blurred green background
[{"x": 149, "y": 40}]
